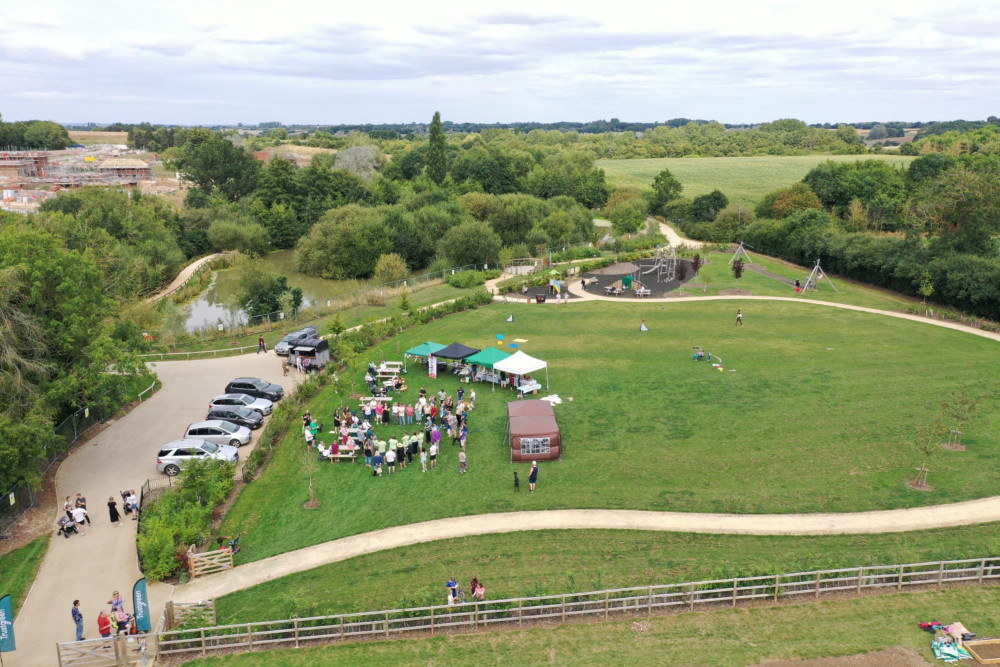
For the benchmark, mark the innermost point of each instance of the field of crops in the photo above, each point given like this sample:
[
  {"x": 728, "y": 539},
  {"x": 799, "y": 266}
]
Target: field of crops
[{"x": 740, "y": 178}]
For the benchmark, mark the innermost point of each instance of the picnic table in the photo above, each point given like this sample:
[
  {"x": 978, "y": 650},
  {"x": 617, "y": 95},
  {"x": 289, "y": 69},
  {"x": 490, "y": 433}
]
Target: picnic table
[
  {"x": 528, "y": 388},
  {"x": 377, "y": 399},
  {"x": 611, "y": 290}
]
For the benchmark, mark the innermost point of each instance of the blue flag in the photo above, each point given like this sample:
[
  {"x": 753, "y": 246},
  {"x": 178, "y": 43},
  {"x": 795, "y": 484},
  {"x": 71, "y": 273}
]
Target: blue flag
[
  {"x": 140, "y": 602},
  {"x": 7, "y": 625}
]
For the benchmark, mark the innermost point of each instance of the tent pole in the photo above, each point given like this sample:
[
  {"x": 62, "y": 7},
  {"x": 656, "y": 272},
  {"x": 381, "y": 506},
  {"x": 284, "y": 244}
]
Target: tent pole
[{"x": 546, "y": 377}]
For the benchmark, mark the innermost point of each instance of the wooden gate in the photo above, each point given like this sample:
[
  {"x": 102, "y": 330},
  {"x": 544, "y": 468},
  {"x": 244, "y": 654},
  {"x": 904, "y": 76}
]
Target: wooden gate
[
  {"x": 208, "y": 562},
  {"x": 117, "y": 651}
]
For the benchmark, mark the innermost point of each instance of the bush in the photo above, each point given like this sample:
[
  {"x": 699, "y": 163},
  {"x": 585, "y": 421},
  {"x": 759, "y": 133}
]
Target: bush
[{"x": 465, "y": 279}]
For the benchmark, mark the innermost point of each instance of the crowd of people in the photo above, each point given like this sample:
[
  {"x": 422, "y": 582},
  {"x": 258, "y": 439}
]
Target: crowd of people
[
  {"x": 114, "y": 621},
  {"x": 434, "y": 417},
  {"x": 456, "y": 594}
]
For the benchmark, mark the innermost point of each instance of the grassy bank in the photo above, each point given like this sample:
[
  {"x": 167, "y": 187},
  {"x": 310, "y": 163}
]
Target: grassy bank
[
  {"x": 717, "y": 638},
  {"x": 18, "y": 569}
]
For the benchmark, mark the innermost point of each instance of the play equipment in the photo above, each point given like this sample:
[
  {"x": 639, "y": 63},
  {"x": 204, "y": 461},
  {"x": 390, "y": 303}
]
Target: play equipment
[
  {"x": 817, "y": 275},
  {"x": 665, "y": 264},
  {"x": 741, "y": 251}
]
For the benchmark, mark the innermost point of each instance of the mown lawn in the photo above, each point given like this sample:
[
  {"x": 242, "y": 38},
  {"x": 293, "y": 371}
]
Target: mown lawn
[
  {"x": 527, "y": 564},
  {"x": 18, "y": 568},
  {"x": 716, "y": 277},
  {"x": 739, "y": 178},
  {"x": 727, "y": 637},
  {"x": 817, "y": 411}
]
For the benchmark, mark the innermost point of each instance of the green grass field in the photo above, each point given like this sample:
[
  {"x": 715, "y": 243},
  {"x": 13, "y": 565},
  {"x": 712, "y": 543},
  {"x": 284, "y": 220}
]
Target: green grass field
[
  {"x": 18, "y": 568},
  {"x": 718, "y": 638},
  {"x": 819, "y": 413},
  {"x": 528, "y": 564},
  {"x": 740, "y": 178}
]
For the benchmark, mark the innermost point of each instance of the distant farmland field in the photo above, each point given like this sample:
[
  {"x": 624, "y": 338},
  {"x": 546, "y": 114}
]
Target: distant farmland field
[
  {"x": 739, "y": 178},
  {"x": 86, "y": 137}
]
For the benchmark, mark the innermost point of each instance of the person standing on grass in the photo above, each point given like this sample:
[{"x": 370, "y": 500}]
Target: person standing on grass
[
  {"x": 434, "y": 455},
  {"x": 261, "y": 347},
  {"x": 390, "y": 460},
  {"x": 463, "y": 435},
  {"x": 533, "y": 477},
  {"x": 462, "y": 467},
  {"x": 78, "y": 620},
  {"x": 423, "y": 459},
  {"x": 739, "y": 317}
]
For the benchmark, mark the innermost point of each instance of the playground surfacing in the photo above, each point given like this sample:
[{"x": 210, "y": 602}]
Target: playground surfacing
[{"x": 643, "y": 273}]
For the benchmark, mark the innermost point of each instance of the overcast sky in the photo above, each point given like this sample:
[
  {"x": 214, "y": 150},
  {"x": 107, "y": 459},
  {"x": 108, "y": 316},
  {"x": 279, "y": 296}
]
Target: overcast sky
[{"x": 210, "y": 62}]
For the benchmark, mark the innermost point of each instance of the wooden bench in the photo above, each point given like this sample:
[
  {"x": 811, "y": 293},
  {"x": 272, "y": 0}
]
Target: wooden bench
[
  {"x": 377, "y": 399},
  {"x": 642, "y": 292}
]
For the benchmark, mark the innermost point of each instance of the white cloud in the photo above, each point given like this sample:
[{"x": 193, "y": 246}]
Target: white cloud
[{"x": 198, "y": 62}]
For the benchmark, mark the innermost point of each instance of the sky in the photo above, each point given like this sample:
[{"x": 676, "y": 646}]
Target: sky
[{"x": 311, "y": 62}]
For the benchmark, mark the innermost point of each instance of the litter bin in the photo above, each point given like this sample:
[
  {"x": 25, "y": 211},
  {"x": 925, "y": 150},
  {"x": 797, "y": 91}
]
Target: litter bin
[{"x": 539, "y": 298}]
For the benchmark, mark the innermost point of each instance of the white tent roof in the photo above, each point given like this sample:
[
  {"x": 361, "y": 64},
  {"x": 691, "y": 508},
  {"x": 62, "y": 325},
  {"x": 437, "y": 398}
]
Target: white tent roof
[{"x": 519, "y": 363}]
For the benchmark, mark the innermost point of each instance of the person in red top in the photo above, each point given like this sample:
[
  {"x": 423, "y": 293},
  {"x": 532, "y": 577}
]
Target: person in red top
[{"x": 104, "y": 624}]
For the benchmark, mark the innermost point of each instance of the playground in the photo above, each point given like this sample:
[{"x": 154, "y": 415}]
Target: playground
[{"x": 652, "y": 277}]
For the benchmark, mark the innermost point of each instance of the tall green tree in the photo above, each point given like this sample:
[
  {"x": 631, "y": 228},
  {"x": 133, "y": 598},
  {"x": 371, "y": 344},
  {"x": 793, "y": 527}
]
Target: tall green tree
[
  {"x": 437, "y": 161},
  {"x": 666, "y": 188}
]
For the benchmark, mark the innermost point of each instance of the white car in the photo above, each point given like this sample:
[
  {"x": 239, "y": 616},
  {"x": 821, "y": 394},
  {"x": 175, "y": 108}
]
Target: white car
[
  {"x": 262, "y": 405},
  {"x": 174, "y": 456},
  {"x": 219, "y": 432}
]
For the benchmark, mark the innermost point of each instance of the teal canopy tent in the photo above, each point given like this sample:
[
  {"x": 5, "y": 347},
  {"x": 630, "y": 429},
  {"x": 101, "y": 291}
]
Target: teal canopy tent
[{"x": 425, "y": 349}]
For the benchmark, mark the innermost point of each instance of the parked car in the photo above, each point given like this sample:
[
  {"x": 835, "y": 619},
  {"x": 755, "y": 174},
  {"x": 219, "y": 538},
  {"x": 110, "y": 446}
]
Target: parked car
[
  {"x": 238, "y": 415},
  {"x": 220, "y": 432},
  {"x": 255, "y": 387},
  {"x": 285, "y": 345},
  {"x": 260, "y": 405},
  {"x": 174, "y": 456}
]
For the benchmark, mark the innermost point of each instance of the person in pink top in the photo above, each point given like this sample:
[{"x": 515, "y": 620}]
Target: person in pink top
[
  {"x": 409, "y": 414},
  {"x": 378, "y": 412}
]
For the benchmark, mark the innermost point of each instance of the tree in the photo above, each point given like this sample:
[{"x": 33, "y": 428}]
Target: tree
[
  {"x": 390, "y": 268},
  {"x": 960, "y": 409},
  {"x": 471, "y": 242},
  {"x": 362, "y": 161},
  {"x": 437, "y": 165},
  {"x": 345, "y": 243},
  {"x": 962, "y": 209},
  {"x": 877, "y": 133},
  {"x": 218, "y": 165},
  {"x": 737, "y": 267},
  {"x": 260, "y": 289},
  {"x": 627, "y": 215},
  {"x": 705, "y": 208},
  {"x": 666, "y": 188},
  {"x": 245, "y": 236}
]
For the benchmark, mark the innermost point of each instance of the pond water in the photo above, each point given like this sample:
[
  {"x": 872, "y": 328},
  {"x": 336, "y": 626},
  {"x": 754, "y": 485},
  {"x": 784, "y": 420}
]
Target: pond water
[{"x": 210, "y": 307}]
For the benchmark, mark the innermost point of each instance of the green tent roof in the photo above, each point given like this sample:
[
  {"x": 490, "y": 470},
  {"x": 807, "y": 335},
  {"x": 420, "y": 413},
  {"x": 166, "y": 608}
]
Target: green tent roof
[
  {"x": 487, "y": 357},
  {"x": 426, "y": 349}
]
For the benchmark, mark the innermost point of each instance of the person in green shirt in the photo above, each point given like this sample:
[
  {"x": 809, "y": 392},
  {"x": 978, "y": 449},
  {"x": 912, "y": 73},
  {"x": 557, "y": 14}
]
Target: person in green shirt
[{"x": 381, "y": 447}]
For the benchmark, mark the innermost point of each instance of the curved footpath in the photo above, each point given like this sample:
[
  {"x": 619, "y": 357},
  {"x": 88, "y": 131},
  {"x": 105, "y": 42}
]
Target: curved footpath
[
  {"x": 885, "y": 521},
  {"x": 183, "y": 277}
]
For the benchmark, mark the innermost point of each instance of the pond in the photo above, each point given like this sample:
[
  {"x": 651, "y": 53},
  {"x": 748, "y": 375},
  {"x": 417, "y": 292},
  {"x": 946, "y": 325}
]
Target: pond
[{"x": 210, "y": 307}]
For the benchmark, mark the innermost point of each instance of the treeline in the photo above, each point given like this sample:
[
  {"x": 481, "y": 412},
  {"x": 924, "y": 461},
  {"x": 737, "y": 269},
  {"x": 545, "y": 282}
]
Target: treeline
[
  {"x": 71, "y": 327},
  {"x": 929, "y": 230},
  {"x": 28, "y": 134}
]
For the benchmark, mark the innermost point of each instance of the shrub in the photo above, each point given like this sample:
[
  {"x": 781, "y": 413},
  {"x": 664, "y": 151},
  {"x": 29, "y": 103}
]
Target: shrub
[{"x": 471, "y": 278}]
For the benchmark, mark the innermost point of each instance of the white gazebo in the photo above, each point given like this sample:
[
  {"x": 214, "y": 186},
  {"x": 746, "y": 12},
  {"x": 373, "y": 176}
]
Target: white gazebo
[{"x": 520, "y": 363}]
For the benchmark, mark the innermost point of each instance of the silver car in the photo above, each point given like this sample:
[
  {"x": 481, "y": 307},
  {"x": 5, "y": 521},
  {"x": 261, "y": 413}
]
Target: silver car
[
  {"x": 262, "y": 405},
  {"x": 220, "y": 432},
  {"x": 174, "y": 456},
  {"x": 285, "y": 345}
]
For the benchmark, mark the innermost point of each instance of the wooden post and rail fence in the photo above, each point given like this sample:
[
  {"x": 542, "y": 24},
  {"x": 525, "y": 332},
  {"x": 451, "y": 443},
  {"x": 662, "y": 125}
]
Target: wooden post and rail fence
[{"x": 477, "y": 615}]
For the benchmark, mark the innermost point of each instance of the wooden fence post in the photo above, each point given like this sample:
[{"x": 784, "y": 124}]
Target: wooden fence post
[
  {"x": 817, "y": 584},
  {"x": 564, "y": 608},
  {"x": 170, "y": 615},
  {"x": 607, "y": 595},
  {"x": 649, "y": 602},
  {"x": 432, "y": 621},
  {"x": 861, "y": 571},
  {"x": 203, "y": 652},
  {"x": 475, "y": 617},
  {"x": 735, "y": 589},
  {"x": 940, "y": 575},
  {"x": 387, "y": 624},
  {"x": 296, "y": 628},
  {"x": 982, "y": 569},
  {"x": 249, "y": 636},
  {"x": 691, "y": 597},
  {"x": 899, "y": 582},
  {"x": 777, "y": 586}
]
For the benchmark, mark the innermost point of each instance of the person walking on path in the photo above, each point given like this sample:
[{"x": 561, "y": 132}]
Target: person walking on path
[
  {"x": 78, "y": 620},
  {"x": 116, "y": 518},
  {"x": 739, "y": 317},
  {"x": 533, "y": 477},
  {"x": 82, "y": 502},
  {"x": 261, "y": 346}
]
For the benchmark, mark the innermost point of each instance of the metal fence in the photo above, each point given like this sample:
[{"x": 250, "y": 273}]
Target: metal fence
[
  {"x": 19, "y": 499},
  {"x": 640, "y": 600}
]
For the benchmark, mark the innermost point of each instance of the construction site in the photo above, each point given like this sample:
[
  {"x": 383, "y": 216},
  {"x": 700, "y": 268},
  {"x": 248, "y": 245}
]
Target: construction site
[{"x": 29, "y": 177}]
